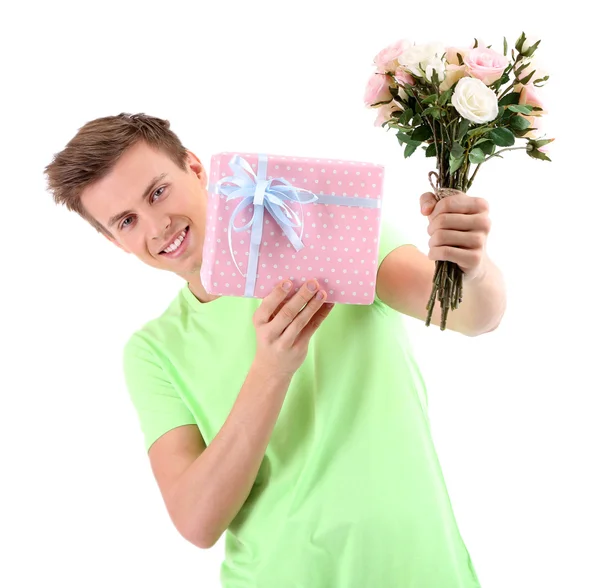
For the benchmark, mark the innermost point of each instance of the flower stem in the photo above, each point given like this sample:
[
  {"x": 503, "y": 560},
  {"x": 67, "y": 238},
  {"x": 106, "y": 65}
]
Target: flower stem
[
  {"x": 470, "y": 182},
  {"x": 501, "y": 150}
]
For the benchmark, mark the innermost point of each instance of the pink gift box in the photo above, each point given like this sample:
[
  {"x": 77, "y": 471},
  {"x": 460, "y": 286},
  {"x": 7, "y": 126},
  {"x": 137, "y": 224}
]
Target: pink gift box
[{"x": 272, "y": 217}]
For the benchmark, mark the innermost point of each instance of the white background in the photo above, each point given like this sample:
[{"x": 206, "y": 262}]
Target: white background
[{"x": 514, "y": 413}]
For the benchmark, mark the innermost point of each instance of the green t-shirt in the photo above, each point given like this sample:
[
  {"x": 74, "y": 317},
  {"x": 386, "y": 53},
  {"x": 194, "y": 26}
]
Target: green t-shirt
[{"x": 350, "y": 493}]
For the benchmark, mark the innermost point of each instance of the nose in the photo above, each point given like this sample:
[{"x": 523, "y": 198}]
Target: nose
[{"x": 158, "y": 226}]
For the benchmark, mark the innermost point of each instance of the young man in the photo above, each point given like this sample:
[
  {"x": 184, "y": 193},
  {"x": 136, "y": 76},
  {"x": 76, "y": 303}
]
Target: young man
[{"x": 299, "y": 429}]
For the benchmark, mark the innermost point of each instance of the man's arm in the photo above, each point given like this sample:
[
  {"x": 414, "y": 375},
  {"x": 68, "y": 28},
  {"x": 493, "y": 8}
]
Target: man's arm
[
  {"x": 204, "y": 487},
  {"x": 405, "y": 280}
]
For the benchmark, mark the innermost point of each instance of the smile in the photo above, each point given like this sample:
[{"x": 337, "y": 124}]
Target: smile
[{"x": 178, "y": 246}]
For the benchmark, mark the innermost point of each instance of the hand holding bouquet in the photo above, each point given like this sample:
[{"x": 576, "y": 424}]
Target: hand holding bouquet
[{"x": 462, "y": 106}]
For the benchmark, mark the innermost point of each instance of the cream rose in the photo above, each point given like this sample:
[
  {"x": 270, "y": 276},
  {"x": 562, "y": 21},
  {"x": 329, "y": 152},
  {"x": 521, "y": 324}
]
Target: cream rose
[
  {"x": 474, "y": 100},
  {"x": 452, "y": 54},
  {"x": 532, "y": 65},
  {"x": 422, "y": 60},
  {"x": 384, "y": 112},
  {"x": 453, "y": 74}
]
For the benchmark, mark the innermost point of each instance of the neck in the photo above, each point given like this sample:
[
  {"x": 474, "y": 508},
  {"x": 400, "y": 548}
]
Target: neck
[{"x": 198, "y": 290}]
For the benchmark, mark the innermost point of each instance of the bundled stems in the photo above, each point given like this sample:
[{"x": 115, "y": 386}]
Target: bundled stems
[{"x": 448, "y": 277}]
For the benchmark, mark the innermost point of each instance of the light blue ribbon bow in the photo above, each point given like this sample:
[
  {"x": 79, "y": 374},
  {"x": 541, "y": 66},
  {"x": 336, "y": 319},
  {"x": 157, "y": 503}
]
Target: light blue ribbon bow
[{"x": 270, "y": 194}]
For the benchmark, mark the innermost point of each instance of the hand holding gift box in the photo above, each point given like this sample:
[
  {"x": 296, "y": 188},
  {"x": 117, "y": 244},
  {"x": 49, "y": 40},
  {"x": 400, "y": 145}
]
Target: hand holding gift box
[{"x": 272, "y": 217}]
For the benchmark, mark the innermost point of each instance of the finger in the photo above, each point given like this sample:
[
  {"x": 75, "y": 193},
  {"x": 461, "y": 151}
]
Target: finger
[
  {"x": 427, "y": 202},
  {"x": 465, "y": 258},
  {"x": 463, "y": 239},
  {"x": 459, "y": 203},
  {"x": 314, "y": 323},
  {"x": 292, "y": 307},
  {"x": 456, "y": 221},
  {"x": 281, "y": 305},
  {"x": 296, "y": 327},
  {"x": 272, "y": 301}
]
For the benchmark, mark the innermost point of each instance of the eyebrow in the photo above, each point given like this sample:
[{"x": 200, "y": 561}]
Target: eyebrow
[{"x": 113, "y": 219}]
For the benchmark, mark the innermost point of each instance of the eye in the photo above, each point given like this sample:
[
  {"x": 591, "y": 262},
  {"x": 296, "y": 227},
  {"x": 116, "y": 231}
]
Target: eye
[
  {"x": 124, "y": 224},
  {"x": 155, "y": 192}
]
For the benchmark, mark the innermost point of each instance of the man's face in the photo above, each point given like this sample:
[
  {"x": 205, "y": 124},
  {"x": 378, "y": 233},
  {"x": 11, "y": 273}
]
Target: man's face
[{"x": 146, "y": 216}]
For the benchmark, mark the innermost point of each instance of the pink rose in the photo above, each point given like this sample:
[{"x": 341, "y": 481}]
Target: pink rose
[
  {"x": 384, "y": 112},
  {"x": 387, "y": 59},
  {"x": 403, "y": 77},
  {"x": 529, "y": 96},
  {"x": 485, "y": 64},
  {"x": 378, "y": 89}
]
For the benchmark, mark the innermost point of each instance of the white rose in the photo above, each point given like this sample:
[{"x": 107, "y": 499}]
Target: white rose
[
  {"x": 474, "y": 100},
  {"x": 422, "y": 60}
]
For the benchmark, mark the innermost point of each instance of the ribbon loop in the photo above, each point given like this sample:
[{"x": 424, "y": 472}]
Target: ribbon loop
[{"x": 262, "y": 193}]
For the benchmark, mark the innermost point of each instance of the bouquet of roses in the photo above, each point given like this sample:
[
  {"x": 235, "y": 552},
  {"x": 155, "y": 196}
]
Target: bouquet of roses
[{"x": 462, "y": 106}]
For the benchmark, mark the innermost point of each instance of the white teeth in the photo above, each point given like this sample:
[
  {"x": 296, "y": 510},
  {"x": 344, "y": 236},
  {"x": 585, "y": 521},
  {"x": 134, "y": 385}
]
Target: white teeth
[{"x": 175, "y": 245}]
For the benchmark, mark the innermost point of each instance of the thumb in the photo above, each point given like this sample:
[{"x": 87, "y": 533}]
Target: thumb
[{"x": 428, "y": 202}]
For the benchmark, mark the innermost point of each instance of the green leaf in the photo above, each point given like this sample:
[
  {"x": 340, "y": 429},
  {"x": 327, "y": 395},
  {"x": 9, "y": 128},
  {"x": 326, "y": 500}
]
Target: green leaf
[
  {"x": 476, "y": 155},
  {"x": 434, "y": 111},
  {"x": 429, "y": 99},
  {"x": 519, "y": 123},
  {"x": 405, "y": 138},
  {"x": 511, "y": 98},
  {"x": 422, "y": 133},
  {"x": 531, "y": 49},
  {"x": 479, "y": 130},
  {"x": 502, "y": 137},
  {"x": 460, "y": 59},
  {"x": 505, "y": 47},
  {"x": 475, "y": 46},
  {"x": 528, "y": 77},
  {"x": 487, "y": 147},
  {"x": 430, "y": 151},
  {"x": 519, "y": 43},
  {"x": 457, "y": 151},
  {"x": 417, "y": 120},
  {"x": 404, "y": 116},
  {"x": 521, "y": 133},
  {"x": 538, "y": 155},
  {"x": 409, "y": 150},
  {"x": 463, "y": 128},
  {"x": 540, "y": 142},
  {"x": 455, "y": 163},
  {"x": 445, "y": 96},
  {"x": 522, "y": 108}
]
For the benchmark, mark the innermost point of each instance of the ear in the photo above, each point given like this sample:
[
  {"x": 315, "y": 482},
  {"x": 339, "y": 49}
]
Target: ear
[
  {"x": 114, "y": 241},
  {"x": 196, "y": 166}
]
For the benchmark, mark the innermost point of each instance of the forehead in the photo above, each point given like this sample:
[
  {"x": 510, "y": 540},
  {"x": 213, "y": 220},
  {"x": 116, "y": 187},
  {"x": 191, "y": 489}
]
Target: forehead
[{"x": 123, "y": 187}]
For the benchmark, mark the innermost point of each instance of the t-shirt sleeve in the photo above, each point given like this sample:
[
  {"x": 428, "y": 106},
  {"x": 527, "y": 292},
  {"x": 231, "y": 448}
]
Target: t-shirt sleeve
[
  {"x": 390, "y": 238},
  {"x": 158, "y": 405}
]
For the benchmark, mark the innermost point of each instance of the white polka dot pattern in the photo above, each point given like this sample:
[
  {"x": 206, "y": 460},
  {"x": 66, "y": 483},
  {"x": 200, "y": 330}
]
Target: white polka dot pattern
[{"x": 341, "y": 243}]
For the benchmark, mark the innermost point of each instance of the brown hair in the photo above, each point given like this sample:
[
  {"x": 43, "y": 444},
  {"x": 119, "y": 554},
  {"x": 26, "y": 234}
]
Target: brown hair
[{"x": 93, "y": 152}]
